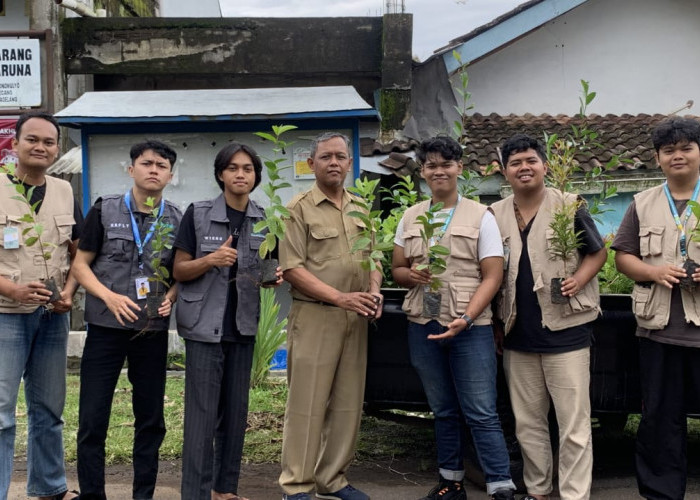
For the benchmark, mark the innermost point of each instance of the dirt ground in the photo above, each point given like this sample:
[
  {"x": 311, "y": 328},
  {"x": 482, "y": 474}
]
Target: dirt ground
[{"x": 390, "y": 480}]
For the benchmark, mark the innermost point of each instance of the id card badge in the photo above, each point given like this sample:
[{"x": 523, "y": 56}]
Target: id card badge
[
  {"x": 10, "y": 237},
  {"x": 142, "y": 287}
]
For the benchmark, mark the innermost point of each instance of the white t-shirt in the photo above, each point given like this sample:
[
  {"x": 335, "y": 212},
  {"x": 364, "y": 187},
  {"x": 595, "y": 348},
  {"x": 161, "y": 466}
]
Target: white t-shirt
[{"x": 489, "y": 245}]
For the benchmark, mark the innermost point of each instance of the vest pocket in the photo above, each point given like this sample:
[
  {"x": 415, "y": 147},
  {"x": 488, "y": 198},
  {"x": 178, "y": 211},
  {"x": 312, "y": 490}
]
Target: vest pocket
[
  {"x": 413, "y": 303},
  {"x": 64, "y": 225},
  {"x": 414, "y": 247},
  {"x": 323, "y": 244},
  {"x": 463, "y": 242},
  {"x": 579, "y": 303},
  {"x": 189, "y": 308},
  {"x": 641, "y": 303},
  {"x": 118, "y": 244},
  {"x": 651, "y": 240},
  {"x": 459, "y": 299}
]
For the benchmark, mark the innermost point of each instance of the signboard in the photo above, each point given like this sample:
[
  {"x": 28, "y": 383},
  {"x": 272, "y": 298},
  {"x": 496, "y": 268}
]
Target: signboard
[
  {"x": 7, "y": 133},
  {"x": 20, "y": 73}
]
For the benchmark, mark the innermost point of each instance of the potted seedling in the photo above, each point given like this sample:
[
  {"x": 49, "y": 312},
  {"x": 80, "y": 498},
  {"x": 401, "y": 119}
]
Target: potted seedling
[
  {"x": 689, "y": 265},
  {"x": 563, "y": 167},
  {"x": 33, "y": 231},
  {"x": 371, "y": 241},
  {"x": 275, "y": 213},
  {"x": 161, "y": 241},
  {"x": 432, "y": 222}
]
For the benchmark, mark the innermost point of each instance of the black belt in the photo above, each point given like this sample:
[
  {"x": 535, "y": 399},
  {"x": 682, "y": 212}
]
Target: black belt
[{"x": 319, "y": 302}]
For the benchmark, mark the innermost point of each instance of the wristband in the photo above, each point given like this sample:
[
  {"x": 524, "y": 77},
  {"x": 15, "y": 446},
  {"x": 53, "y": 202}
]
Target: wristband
[{"x": 468, "y": 319}]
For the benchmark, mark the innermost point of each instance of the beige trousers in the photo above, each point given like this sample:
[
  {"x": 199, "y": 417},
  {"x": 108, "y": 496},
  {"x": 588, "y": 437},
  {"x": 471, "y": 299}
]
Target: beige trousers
[
  {"x": 326, "y": 365},
  {"x": 532, "y": 379}
]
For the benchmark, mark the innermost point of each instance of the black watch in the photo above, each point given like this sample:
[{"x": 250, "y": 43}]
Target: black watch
[{"x": 467, "y": 318}]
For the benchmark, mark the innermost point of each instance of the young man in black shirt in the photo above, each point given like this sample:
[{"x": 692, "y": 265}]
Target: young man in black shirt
[
  {"x": 114, "y": 264},
  {"x": 217, "y": 265}
]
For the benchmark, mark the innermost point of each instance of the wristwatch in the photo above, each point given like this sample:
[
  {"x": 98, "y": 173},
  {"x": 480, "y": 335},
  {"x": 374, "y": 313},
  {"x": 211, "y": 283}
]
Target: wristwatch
[{"x": 468, "y": 319}]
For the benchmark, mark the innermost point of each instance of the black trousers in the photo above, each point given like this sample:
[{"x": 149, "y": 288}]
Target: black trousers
[
  {"x": 217, "y": 380},
  {"x": 670, "y": 377},
  {"x": 103, "y": 358}
]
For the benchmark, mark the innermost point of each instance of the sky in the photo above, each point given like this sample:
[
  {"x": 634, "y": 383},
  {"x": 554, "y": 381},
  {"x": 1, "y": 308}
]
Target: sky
[{"x": 435, "y": 22}]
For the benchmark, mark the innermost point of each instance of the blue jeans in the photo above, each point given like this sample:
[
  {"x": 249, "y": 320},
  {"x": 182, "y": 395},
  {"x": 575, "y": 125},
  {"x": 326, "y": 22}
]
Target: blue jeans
[
  {"x": 33, "y": 347},
  {"x": 459, "y": 378}
]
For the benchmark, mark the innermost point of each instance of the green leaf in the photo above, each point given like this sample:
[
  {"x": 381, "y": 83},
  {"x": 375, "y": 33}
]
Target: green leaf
[
  {"x": 30, "y": 241},
  {"x": 440, "y": 250},
  {"x": 266, "y": 136},
  {"x": 27, "y": 218}
]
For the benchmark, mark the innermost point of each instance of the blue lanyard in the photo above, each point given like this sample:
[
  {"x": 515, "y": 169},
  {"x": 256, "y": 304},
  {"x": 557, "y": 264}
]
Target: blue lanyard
[
  {"x": 443, "y": 229},
  {"x": 680, "y": 224},
  {"x": 135, "y": 228}
]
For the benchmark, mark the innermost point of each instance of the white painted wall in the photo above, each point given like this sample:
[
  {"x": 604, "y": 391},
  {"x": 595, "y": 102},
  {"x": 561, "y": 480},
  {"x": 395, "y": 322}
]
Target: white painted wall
[
  {"x": 193, "y": 178},
  {"x": 640, "y": 56},
  {"x": 190, "y": 8},
  {"x": 15, "y": 17}
]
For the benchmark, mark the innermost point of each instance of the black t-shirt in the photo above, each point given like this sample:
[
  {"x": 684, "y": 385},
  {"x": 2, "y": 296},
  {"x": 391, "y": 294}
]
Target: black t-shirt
[
  {"x": 38, "y": 195},
  {"x": 528, "y": 334},
  {"x": 187, "y": 242},
  {"x": 92, "y": 237}
]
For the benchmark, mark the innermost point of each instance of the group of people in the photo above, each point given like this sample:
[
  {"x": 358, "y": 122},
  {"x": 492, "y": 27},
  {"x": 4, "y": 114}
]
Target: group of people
[{"x": 498, "y": 255}]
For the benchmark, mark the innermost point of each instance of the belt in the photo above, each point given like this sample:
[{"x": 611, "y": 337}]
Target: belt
[{"x": 319, "y": 302}]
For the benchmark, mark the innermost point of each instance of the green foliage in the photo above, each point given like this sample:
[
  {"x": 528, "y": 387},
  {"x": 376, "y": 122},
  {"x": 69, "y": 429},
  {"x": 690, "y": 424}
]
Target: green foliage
[
  {"x": 402, "y": 195},
  {"x": 694, "y": 232},
  {"x": 431, "y": 229},
  {"x": 459, "y": 126},
  {"x": 161, "y": 241},
  {"x": 565, "y": 239},
  {"x": 610, "y": 280},
  {"x": 563, "y": 168},
  {"x": 275, "y": 213},
  {"x": 271, "y": 335},
  {"x": 30, "y": 217},
  {"x": 376, "y": 243}
]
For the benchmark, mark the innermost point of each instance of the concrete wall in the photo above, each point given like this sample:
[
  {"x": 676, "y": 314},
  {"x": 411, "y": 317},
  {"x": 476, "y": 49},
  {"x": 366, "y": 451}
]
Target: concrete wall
[
  {"x": 641, "y": 56},
  {"x": 16, "y": 16}
]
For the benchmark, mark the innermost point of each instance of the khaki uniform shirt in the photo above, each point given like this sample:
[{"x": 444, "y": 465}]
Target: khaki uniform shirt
[{"x": 319, "y": 238}]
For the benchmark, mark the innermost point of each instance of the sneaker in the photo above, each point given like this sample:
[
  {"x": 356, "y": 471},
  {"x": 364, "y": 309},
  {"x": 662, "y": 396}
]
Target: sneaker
[
  {"x": 347, "y": 493},
  {"x": 503, "y": 494},
  {"x": 297, "y": 496},
  {"x": 447, "y": 490}
]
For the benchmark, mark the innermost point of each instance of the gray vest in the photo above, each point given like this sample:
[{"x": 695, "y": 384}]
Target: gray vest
[
  {"x": 116, "y": 266},
  {"x": 201, "y": 303}
]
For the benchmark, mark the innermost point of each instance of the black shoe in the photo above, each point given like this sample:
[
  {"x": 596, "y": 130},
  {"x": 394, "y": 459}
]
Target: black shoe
[
  {"x": 503, "y": 494},
  {"x": 447, "y": 490}
]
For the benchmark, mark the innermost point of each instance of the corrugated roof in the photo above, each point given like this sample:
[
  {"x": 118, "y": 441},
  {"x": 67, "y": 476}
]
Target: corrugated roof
[{"x": 215, "y": 105}]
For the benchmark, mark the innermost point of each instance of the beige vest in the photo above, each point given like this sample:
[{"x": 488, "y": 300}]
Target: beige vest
[
  {"x": 582, "y": 308},
  {"x": 463, "y": 274},
  {"x": 659, "y": 245},
  {"x": 26, "y": 264}
]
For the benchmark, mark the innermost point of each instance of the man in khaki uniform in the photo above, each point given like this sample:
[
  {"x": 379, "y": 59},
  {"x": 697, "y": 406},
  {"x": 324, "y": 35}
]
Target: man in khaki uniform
[{"x": 333, "y": 299}]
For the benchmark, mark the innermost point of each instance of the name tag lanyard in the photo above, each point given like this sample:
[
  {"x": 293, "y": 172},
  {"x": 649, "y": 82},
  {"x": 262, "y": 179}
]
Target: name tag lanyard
[
  {"x": 135, "y": 228},
  {"x": 680, "y": 224},
  {"x": 434, "y": 240}
]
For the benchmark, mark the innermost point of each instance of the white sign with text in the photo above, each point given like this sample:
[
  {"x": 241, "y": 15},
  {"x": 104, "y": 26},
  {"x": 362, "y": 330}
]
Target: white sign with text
[{"x": 20, "y": 73}]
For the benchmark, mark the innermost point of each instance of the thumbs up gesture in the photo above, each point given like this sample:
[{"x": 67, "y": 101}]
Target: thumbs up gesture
[{"x": 224, "y": 256}]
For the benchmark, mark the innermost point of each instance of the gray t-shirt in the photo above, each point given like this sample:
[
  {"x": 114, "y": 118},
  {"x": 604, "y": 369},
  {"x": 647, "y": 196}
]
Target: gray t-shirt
[{"x": 678, "y": 331}]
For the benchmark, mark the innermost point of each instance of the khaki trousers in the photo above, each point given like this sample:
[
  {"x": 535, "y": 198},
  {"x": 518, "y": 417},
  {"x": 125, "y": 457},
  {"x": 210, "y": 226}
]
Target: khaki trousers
[
  {"x": 326, "y": 365},
  {"x": 532, "y": 379}
]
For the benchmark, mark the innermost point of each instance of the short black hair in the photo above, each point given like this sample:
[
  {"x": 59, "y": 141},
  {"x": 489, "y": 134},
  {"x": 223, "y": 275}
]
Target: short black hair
[
  {"x": 36, "y": 114},
  {"x": 223, "y": 158},
  {"x": 158, "y": 147},
  {"x": 443, "y": 145},
  {"x": 674, "y": 130},
  {"x": 519, "y": 143}
]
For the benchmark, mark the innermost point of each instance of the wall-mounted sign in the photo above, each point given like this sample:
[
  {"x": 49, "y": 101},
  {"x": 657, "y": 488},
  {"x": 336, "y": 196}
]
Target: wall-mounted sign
[
  {"x": 20, "y": 73},
  {"x": 301, "y": 164}
]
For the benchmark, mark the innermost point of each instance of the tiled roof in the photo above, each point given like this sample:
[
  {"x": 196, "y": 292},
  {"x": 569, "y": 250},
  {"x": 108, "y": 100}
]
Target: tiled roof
[{"x": 626, "y": 135}]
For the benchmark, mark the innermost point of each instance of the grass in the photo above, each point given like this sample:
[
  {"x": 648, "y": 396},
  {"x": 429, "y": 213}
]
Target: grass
[{"x": 393, "y": 435}]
